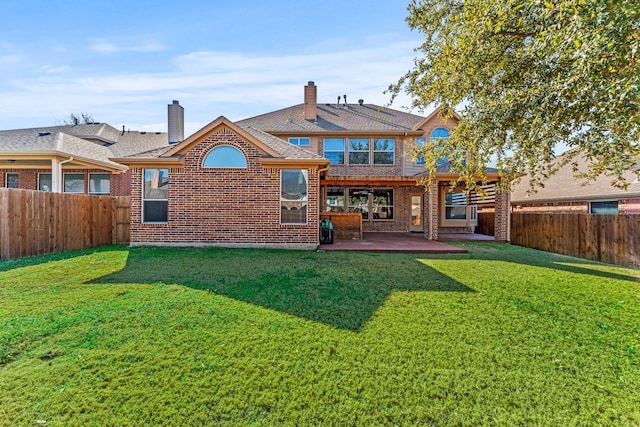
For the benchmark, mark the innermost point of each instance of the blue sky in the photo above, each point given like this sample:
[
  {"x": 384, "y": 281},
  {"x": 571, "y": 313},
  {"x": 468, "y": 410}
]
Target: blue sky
[{"x": 124, "y": 61}]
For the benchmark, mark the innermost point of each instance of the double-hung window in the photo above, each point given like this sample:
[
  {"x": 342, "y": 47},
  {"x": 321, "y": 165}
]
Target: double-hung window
[
  {"x": 334, "y": 150},
  {"x": 358, "y": 151},
  {"x": 155, "y": 195},
  {"x": 383, "y": 151},
  {"x": 420, "y": 144},
  {"x": 293, "y": 196}
]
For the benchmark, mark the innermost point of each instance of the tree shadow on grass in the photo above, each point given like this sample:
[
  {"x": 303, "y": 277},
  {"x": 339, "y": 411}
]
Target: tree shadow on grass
[{"x": 338, "y": 289}]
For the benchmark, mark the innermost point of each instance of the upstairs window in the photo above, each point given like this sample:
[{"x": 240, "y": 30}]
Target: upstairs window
[
  {"x": 440, "y": 134},
  {"x": 300, "y": 141},
  {"x": 358, "y": 151},
  {"x": 155, "y": 195},
  {"x": 334, "y": 150},
  {"x": 383, "y": 151},
  {"x": 225, "y": 156},
  {"x": 420, "y": 144}
]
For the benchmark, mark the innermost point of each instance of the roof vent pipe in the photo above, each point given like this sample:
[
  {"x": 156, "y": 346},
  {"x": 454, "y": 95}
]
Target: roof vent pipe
[
  {"x": 175, "y": 122},
  {"x": 345, "y": 100},
  {"x": 360, "y": 101}
]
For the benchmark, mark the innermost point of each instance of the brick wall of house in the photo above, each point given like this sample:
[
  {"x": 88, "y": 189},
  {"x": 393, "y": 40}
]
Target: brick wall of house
[
  {"x": 28, "y": 179},
  {"x": 227, "y": 207},
  {"x": 432, "y": 212},
  {"x": 367, "y": 170}
]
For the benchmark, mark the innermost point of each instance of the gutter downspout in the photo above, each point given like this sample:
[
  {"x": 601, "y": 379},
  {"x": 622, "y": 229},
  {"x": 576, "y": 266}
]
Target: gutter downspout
[{"x": 56, "y": 174}]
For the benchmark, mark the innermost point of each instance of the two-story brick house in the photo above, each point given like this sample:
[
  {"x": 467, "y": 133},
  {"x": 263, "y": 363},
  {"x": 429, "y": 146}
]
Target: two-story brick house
[{"x": 264, "y": 181}]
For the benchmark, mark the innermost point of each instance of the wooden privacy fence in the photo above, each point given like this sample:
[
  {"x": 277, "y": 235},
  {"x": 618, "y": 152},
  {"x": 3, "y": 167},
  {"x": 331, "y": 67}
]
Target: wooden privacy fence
[
  {"x": 486, "y": 223},
  {"x": 37, "y": 222},
  {"x": 609, "y": 238}
]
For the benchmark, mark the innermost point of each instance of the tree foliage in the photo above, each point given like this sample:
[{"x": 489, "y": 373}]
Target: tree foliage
[
  {"x": 75, "y": 119},
  {"x": 529, "y": 77}
]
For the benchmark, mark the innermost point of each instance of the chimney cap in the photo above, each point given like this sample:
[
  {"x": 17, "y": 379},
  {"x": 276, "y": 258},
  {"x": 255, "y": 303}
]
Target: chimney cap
[
  {"x": 360, "y": 101},
  {"x": 175, "y": 102},
  {"x": 311, "y": 83}
]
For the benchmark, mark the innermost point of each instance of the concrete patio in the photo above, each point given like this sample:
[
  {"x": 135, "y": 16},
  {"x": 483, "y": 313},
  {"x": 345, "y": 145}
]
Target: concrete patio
[{"x": 392, "y": 242}]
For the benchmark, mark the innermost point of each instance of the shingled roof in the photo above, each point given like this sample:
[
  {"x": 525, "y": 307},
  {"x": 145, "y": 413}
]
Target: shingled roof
[
  {"x": 563, "y": 186},
  {"x": 335, "y": 118},
  {"x": 92, "y": 142}
]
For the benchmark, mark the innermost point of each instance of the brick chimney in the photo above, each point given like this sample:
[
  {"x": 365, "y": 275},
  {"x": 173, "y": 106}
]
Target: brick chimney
[
  {"x": 176, "y": 122},
  {"x": 311, "y": 101}
]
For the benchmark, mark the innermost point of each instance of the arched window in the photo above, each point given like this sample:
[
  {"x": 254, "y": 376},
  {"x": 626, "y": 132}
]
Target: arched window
[
  {"x": 225, "y": 156},
  {"x": 440, "y": 133}
]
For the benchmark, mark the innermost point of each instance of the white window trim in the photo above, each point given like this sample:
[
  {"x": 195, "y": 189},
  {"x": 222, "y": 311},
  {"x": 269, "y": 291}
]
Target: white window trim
[
  {"x": 6, "y": 179},
  {"x": 300, "y": 138},
  {"x": 84, "y": 182},
  {"x": 307, "y": 200},
  {"x": 98, "y": 193},
  {"x": 45, "y": 173}
]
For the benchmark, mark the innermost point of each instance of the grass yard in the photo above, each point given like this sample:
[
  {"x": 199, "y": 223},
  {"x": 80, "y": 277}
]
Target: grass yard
[{"x": 190, "y": 337}]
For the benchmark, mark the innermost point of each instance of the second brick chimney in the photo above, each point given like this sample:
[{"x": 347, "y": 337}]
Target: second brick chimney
[{"x": 311, "y": 101}]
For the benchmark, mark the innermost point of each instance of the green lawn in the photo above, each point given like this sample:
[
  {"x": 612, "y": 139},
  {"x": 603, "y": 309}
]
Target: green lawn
[{"x": 499, "y": 336}]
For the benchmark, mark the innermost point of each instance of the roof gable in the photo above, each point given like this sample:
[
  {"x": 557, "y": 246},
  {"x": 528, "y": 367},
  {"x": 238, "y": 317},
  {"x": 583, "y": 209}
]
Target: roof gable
[{"x": 213, "y": 127}]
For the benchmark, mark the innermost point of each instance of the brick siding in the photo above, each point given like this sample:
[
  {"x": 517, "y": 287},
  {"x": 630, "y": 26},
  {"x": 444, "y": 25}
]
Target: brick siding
[{"x": 224, "y": 207}]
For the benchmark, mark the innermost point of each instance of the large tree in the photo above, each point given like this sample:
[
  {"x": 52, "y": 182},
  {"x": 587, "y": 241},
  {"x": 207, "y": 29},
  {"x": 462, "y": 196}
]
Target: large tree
[{"x": 528, "y": 77}]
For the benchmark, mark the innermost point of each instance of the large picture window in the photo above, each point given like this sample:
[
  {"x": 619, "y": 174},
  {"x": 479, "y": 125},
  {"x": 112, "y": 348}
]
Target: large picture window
[
  {"x": 383, "y": 151},
  {"x": 293, "y": 196},
  {"x": 334, "y": 150},
  {"x": 155, "y": 195},
  {"x": 100, "y": 184},
  {"x": 358, "y": 151},
  {"x": 74, "y": 183},
  {"x": 12, "y": 180}
]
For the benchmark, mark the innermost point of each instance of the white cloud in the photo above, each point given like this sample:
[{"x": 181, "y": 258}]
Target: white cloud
[
  {"x": 106, "y": 48},
  {"x": 207, "y": 83}
]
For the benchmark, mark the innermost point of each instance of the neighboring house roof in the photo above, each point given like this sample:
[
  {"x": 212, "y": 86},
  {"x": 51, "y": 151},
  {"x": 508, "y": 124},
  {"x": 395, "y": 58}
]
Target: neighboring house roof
[
  {"x": 335, "y": 118},
  {"x": 92, "y": 143},
  {"x": 563, "y": 186}
]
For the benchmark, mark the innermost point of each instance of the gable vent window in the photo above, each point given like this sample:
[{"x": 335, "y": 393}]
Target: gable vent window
[{"x": 300, "y": 141}]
